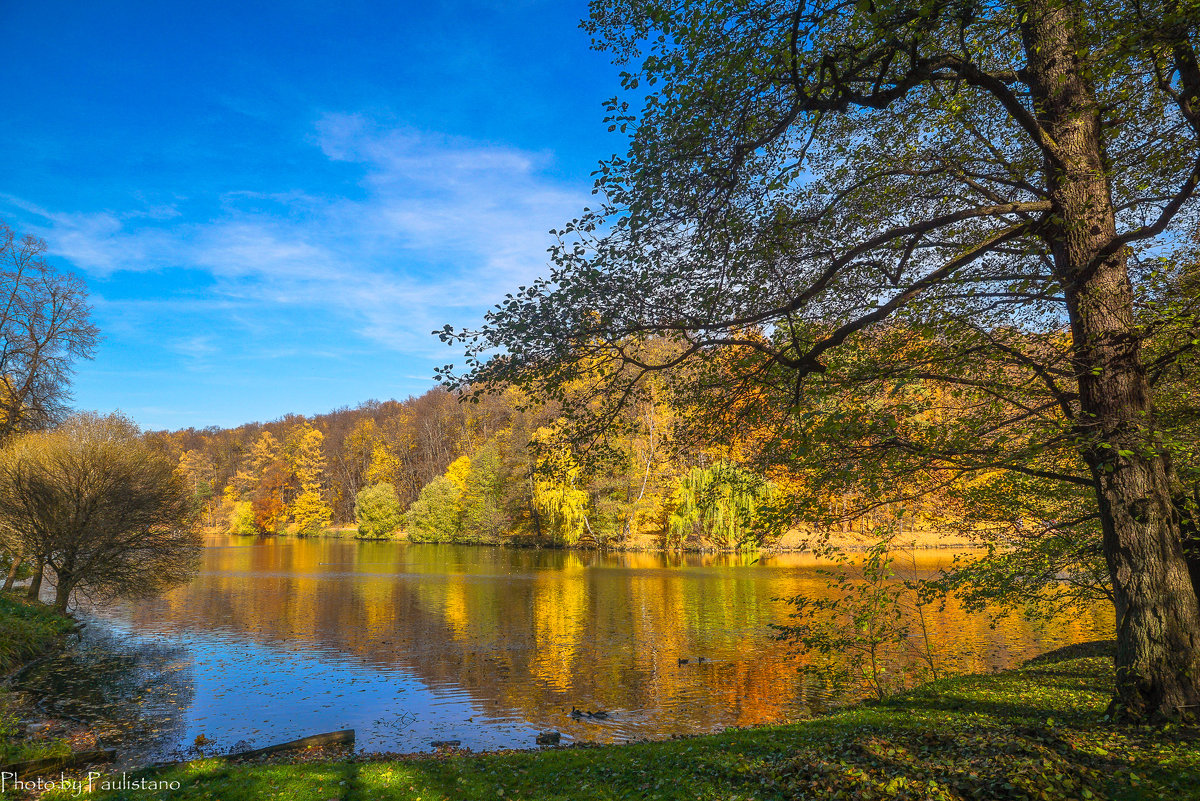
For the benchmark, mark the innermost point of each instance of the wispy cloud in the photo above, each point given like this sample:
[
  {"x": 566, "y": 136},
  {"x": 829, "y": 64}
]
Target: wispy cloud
[{"x": 439, "y": 229}]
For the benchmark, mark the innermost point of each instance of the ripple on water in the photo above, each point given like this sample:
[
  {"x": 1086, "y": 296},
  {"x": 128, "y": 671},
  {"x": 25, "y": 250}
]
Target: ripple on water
[{"x": 412, "y": 644}]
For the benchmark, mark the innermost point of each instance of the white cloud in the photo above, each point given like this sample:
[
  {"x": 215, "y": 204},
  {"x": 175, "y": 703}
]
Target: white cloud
[
  {"x": 441, "y": 228},
  {"x": 195, "y": 347}
]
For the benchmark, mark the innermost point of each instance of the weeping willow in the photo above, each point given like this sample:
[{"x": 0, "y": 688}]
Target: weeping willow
[
  {"x": 560, "y": 504},
  {"x": 717, "y": 506}
]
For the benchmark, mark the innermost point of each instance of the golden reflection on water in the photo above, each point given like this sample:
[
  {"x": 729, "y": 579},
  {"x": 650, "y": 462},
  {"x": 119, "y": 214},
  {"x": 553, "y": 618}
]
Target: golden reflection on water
[{"x": 524, "y": 635}]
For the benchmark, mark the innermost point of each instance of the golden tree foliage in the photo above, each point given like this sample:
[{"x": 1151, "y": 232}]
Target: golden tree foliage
[
  {"x": 559, "y": 504},
  {"x": 106, "y": 512}
]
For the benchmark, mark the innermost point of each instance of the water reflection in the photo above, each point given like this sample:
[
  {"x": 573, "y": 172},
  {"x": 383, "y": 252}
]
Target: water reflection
[
  {"x": 132, "y": 693},
  {"x": 409, "y": 644}
]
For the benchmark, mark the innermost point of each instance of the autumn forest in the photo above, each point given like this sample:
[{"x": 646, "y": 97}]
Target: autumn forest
[{"x": 868, "y": 369}]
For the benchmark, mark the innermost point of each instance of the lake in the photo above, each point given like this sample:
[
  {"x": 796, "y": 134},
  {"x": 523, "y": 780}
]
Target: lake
[{"x": 280, "y": 638}]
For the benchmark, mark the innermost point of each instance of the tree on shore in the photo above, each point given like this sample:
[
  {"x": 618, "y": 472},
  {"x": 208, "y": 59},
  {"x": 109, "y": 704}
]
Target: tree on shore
[
  {"x": 377, "y": 510},
  {"x": 436, "y": 514},
  {"x": 106, "y": 513},
  {"x": 44, "y": 327},
  {"x": 309, "y": 511},
  {"x": 266, "y": 483},
  {"x": 810, "y": 182}
]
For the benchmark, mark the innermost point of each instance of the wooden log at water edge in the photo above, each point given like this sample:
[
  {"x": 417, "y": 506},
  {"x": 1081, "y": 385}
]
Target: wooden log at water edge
[{"x": 343, "y": 737}]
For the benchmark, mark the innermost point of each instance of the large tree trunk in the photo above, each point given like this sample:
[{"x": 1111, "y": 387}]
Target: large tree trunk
[
  {"x": 35, "y": 583},
  {"x": 62, "y": 592},
  {"x": 13, "y": 569},
  {"x": 1158, "y": 621}
]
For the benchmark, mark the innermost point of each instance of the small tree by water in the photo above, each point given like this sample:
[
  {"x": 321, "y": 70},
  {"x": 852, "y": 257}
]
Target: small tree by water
[
  {"x": 717, "y": 504},
  {"x": 868, "y": 626},
  {"x": 377, "y": 510},
  {"x": 106, "y": 512}
]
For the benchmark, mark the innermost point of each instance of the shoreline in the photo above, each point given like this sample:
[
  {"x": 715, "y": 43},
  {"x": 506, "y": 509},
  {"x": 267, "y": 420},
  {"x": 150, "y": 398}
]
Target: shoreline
[
  {"x": 1035, "y": 731},
  {"x": 27, "y": 735},
  {"x": 923, "y": 540}
]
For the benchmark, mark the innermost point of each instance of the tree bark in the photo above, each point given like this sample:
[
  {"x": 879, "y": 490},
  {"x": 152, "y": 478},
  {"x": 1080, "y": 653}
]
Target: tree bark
[
  {"x": 62, "y": 592},
  {"x": 35, "y": 583},
  {"x": 1158, "y": 620},
  {"x": 12, "y": 571}
]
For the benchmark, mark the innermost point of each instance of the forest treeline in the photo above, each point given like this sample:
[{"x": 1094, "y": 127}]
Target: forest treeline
[
  {"x": 495, "y": 467},
  {"x": 691, "y": 460},
  {"x": 435, "y": 469}
]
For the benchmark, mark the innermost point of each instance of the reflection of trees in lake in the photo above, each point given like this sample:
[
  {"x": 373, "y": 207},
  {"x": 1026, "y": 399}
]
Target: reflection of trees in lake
[
  {"x": 538, "y": 631},
  {"x": 130, "y": 693}
]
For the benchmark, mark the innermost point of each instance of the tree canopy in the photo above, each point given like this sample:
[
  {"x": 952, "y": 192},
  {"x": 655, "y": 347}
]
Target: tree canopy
[
  {"x": 835, "y": 202},
  {"x": 104, "y": 510},
  {"x": 44, "y": 327}
]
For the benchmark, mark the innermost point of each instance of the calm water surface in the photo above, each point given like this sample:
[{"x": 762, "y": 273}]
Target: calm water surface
[{"x": 277, "y": 639}]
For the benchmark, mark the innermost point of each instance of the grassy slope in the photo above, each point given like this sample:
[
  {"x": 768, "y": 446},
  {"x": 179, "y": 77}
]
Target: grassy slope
[
  {"x": 1034, "y": 732},
  {"x": 27, "y": 629}
]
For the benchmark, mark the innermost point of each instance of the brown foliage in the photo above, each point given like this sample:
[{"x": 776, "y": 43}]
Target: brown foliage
[
  {"x": 44, "y": 326},
  {"x": 106, "y": 512}
]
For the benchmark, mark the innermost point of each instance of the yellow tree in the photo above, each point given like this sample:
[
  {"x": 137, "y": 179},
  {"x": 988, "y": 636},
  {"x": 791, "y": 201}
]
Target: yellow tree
[
  {"x": 358, "y": 453},
  {"x": 309, "y": 511},
  {"x": 458, "y": 471},
  {"x": 383, "y": 465},
  {"x": 652, "y": 462},
  {"x": 560, "y": 506}
]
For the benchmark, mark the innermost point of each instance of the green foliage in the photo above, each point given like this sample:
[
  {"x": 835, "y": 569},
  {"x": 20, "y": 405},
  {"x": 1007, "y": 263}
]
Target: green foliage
[
  {"x": 854, "y": 633},
  {"x": 717, "y": 504},
  {"x": 29, "y": 629},
  {"x": 464, "y": 505},
  {"x": 241, "y": 519},
  {"x": 436, "y": 515},
  {"x": 1039, "y": 577},
  {"x": 482, "y": 515},
  {"x": 377, "y": 510},
  {"x": 14, "y": 747},
  {"x": 559, "y": 502}
]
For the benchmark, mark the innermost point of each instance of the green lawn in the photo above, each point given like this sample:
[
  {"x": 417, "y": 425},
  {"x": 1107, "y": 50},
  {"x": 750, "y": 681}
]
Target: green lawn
[{"x": 1036, "y": 732}]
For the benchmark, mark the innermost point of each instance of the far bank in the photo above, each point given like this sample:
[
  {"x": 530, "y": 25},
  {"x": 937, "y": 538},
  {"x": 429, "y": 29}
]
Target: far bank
[{"x": 850, "y": 539}]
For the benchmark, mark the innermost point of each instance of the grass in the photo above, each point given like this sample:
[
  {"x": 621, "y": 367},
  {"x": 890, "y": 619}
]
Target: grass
[
  {"x": 1036, "y": 732},
  {"x": 29, "y": 629}
]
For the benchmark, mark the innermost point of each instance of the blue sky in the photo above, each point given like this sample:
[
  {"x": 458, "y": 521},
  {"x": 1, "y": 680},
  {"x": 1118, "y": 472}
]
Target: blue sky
[{"x": 273, "y": 204}]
